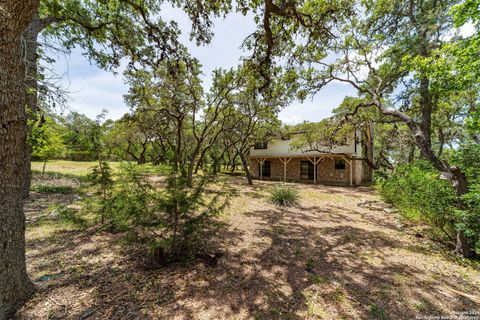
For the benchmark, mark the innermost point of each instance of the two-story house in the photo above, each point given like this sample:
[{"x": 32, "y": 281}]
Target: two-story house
[{"x": 341, "y": 165}]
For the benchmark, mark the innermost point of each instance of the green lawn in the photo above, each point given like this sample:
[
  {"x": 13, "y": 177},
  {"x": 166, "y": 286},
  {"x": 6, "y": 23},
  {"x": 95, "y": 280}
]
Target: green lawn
[
  {"x": 82, "y": 168},
  {"x": 77, "y": 168}
]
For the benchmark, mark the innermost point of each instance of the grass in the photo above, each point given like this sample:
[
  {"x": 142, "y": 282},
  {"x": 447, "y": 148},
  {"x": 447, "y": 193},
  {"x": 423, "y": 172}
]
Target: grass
[
  {"x": 315, "y": 305},
  {"x": 49, "y": 188},
  {"x": 419, "y": 306},
  {"x": 317, "y": 279},
  {"x": 58, "y": 219},
  {"x": 377, "y": 312},
  {"x": 49, "y": 228},
  {"x": 72, "y": 168},
  {"x": 83, "y": 168},
  {"x": 338, "y": 295}
]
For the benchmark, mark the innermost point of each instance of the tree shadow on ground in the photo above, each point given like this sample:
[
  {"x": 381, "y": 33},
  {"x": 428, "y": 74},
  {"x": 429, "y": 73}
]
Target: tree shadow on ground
[{"x": 278, "y": 263}]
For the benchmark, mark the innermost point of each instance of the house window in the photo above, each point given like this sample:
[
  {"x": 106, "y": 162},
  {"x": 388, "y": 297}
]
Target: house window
[
  {"x": 264, "y": 169},
  {"x": 340, "y": 165},
  {"x": 306, "y": 170},
  {"x": 260, "y": 145}
]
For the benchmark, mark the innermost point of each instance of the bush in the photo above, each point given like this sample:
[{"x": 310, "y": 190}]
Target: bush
[
  {"x": 49, "y": 188},
  {"x": 468, "y": 219},
  {"x": 284, "y": 196},
  {"x": 187, "y": 215},
  {"x": 416, "y": 190},
  {"x": 173, "y": 222},
  {"x": 128, "y": 203}
]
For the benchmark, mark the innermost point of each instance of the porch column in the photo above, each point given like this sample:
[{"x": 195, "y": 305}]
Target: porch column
[
  {"x": 350, "y": 162},
  {"x": 285, "y": 162},
  {"x": 261, "y": 161},
  {"x": 351, "y": 172},
  {"x": 315, "y": 162}
]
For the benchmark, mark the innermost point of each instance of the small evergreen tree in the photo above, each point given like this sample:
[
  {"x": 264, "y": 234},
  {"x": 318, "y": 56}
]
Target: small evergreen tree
[{"x": 101, "y": 178}]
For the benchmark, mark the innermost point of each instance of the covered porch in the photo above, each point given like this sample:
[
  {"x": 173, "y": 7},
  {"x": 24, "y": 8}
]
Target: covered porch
[{"x": 322, "y": 168}]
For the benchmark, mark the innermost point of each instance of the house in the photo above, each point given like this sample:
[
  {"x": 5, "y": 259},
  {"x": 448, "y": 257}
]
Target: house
[{"x": 339, "y": 165}]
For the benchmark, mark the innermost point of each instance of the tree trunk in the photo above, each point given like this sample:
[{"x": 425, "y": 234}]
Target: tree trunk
[
  {"x": 233, "y": 163},
  {"x": 200, "y": 161},
  {"x": 198, "y": 166},
  {"x": 463, "y": 247},
  {"x": 245, "y": 168},
  {"x": 441, "y": 142},
  {"x": 426, "y": 107},
  {"x": 459, "y": 181},
  {"x": 191, "y": 166},
  {"x": 141, "y": 159},
  {"x": 411, "y": 154},
  {"x": 15, "y": 285},
  {"x": 176, "y": 157},
  {"x": 31, "y": 57}
]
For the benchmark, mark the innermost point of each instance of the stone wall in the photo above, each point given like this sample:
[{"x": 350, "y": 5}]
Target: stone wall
[
  {"x": 358, "y": 171},
  {"x": 326, "y": 172}
]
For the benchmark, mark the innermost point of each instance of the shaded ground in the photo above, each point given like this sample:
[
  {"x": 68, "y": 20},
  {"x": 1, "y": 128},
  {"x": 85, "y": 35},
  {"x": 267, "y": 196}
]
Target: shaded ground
[{"x": 326, "y": 258}]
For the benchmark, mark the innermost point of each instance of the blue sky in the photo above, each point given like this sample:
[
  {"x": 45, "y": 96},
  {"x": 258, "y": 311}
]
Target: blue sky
[{"x": 92, "y": 89}]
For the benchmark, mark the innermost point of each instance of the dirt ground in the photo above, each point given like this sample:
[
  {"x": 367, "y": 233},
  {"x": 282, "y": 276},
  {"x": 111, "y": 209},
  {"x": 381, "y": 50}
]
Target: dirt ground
[{"x": 325, "y": 258}]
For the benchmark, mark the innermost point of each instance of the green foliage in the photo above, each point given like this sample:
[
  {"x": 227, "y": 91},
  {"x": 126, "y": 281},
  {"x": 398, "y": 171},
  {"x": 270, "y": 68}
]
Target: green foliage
[
  {"x": 284, "y": 196},
  {"x": 71, "y": 216},
  {"x": 101, "y": 175},
  {"x": 173, "y": 220},
  {"x": 68, "y": 216},
  {"x": 83, "y": 136},
  {"x": 135, "y": 137},
  {"x": 416, "y": 190},
  {"x": 46, "y": 139},
  {"x": 48, "y": 188},
  {"x": 467, "y": 159},
  {"x": 187, "y": 214},
  {"x": 377, "y": 312},
  {"x": 468, "y": 218},
  {"x": 323, "y": 135},
  {"x": 126, "y": 204},
  {"x": 101, "y": 178}
]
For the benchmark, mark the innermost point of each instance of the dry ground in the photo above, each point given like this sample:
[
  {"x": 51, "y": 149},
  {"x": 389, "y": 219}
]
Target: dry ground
[{"x": 326, "y": 258}]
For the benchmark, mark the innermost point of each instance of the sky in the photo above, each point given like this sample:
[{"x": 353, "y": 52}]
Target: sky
[{"x": 91, "y": 89}]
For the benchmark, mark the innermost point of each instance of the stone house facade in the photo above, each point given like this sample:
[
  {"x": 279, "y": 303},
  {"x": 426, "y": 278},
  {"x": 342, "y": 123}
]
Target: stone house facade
[{"x": 341, "y": 165}]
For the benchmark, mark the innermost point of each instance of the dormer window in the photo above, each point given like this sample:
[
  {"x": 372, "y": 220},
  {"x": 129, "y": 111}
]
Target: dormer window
[{"x": 260, "y": 145}]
